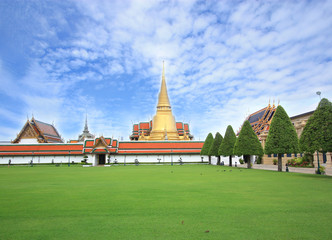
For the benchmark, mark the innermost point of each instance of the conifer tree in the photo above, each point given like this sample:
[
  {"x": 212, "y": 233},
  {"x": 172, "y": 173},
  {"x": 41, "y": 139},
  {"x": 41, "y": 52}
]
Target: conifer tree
[
  {"x": 317, "y": 133},
  {"x": 215, "y": 146},
  {"x": 247, "y": 143},
  {"x": 227, "y": 145},
  {"x": 282, "y": 137},
  {"x": 207, "y": 145}
]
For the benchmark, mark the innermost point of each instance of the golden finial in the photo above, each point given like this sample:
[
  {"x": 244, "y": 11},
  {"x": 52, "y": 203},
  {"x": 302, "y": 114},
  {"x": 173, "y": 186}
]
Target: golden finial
[
  {"x": 163, "y": 69},
  {"x": 269, "y": 102},
  {"x": 163, "y": 100}
]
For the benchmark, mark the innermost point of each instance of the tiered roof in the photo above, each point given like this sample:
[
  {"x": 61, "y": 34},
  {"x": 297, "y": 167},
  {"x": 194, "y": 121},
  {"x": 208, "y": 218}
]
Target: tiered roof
[
  {"x": 260, "y": 121},
  {"x": 101, "y": 145},
  {"x": 42, "y": 132},
  {"x": 85, "y": 134},
  {"x": 144, "y": 128}
]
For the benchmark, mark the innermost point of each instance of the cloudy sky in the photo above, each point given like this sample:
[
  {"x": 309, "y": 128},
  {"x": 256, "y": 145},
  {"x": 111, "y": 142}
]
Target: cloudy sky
[{"x": 223, "y": 60}]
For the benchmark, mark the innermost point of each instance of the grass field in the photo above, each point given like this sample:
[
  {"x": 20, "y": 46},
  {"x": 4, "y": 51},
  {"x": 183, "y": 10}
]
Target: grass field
[{"x": 150, "y": 202}]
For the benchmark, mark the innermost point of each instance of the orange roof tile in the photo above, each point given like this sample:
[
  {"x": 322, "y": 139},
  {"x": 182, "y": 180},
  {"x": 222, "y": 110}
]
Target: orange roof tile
[
  {"x": 159, "y": 145},
  {"x": 144, "y": 125},
  {"x": 41, "y": 147},
  {"x": 179, "y": 125}
]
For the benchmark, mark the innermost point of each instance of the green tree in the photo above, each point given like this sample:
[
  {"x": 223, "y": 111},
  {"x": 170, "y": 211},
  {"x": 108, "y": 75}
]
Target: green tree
[
  {"x": 227, "y": 145},
  {"x": 206, "y": 147},
  {"x": 215, "y": 146},
  {"x": 247, "y": 143},
  {"x": 282, "y": 136},
  {"x": 317, "y": 133}
]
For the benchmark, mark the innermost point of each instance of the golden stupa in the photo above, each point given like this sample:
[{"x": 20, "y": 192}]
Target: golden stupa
[{"x": 163, "y": 123}]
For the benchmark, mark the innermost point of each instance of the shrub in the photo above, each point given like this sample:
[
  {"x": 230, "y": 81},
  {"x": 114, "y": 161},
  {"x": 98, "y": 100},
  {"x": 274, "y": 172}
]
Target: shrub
[
  {"x": 241, "y": 161},
  {"x": 308, "y": 157},
  {"x": 275, "y": 161},
  {"x": 136, "y": 162},
  {"x": 259, "y": 160},
  {"x": 298, "y": 162},
  {"x": 85, "y": 159},
  {"x": 322, "y": 170}
]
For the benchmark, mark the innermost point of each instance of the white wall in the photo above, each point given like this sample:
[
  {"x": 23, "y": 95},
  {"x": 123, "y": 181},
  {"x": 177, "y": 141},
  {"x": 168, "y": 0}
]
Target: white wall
[
  {"x": 28, "y": 141},
  {"x": 41, "y": 159},
  {"x": 93, "y": 158},
  {"x": 226, "y": 160},
  {"x": 156, "y": 158}
]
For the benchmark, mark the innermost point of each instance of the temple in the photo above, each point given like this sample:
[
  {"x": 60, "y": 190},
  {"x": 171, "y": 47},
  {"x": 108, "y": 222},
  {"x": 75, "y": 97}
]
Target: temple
[
  {"x": 161, "y": 140},
  {"x": 85, "y": 134},
  {"x": 35, "y": 131},
  {"x": 163, "y": 126},
  {"x": 260, "y": 122}
]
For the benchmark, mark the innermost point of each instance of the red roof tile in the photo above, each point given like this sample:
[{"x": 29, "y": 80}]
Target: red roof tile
[
  {"x": 144, "y": 125},
  {"x": 160, "y": 145},
  {"x": 179, "y": 125}
]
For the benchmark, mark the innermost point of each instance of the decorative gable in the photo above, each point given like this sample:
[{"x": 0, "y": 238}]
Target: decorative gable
[
  {"x": 27, "y": 132},
  {"x": 38, "y": 132}
]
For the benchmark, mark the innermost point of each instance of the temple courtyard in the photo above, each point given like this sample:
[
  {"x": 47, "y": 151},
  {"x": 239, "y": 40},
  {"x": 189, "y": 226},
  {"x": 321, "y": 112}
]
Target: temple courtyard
[{"x": 162, "y": 202}]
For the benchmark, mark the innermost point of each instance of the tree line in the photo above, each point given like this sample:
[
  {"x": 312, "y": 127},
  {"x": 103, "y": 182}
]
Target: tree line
[{"x": 282, "y": 137}]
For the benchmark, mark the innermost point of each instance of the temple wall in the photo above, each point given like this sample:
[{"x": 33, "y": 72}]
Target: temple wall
[
  {"x": 225, "y": 160},
  {"x": 156, "y": 158},
  {"x": 28, "y": 141},
  {"x": 43, "y": 159},
  {"x": 93, "y": 159},
  {"x": 269, "y": 160}
]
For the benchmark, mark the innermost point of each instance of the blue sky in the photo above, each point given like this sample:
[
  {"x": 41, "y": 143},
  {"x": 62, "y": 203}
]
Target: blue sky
[{"x": 223, "y": 60}]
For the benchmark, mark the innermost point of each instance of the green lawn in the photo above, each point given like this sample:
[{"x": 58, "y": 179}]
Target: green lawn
[{"x": 150, "y": 202}]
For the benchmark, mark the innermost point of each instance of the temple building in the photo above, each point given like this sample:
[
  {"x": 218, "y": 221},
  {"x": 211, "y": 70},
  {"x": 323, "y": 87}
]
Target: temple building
[
  {"x": 85, "y": 134},
  {"x": 35, "y": 131},
  {"x": 163, "y": 126},
  {"x": 260, "y": 122},
  {"x": 162, "y": 140}
]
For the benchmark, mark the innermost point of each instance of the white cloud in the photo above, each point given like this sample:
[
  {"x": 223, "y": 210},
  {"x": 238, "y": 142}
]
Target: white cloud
[{"x": 222, "y": 58}]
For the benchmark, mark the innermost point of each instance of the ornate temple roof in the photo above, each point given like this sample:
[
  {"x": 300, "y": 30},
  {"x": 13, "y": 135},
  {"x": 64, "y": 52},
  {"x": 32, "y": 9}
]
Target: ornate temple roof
[
  {"x": 100, "y": 145},
  {"x": 85, "y": 134},
  {"x": 163, "y": 126},
  {"x": 42, "y": 132},
  {"x": 146, "y": 127},
  {"x": 260, "y": 120}
]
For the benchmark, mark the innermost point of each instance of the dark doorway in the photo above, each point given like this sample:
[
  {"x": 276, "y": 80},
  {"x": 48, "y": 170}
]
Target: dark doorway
[{"x": 101, "y": 160}]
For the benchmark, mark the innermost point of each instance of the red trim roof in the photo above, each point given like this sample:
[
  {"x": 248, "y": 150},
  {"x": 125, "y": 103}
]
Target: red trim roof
[
  {"x": 164, "y": 147},
  {"x": 160, "y": 145}
]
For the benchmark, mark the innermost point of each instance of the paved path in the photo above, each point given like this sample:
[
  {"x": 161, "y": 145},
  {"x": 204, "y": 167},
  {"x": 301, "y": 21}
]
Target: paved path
[{"x": 291, "y": 169}]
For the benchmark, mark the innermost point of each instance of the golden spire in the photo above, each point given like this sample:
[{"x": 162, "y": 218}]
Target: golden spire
[{"x": 163, "y": 100}]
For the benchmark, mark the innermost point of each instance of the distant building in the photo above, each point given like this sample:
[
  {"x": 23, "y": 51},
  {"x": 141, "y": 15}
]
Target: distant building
[
  {"x": 161, "y": 140},
  {"x": 86, "y": 134},
  {"x": 162, "y": 126},
  {"x": 299, "y": 121},
  {"x": 35, "y": 131},
  {"x": 260, "y": 122}
]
